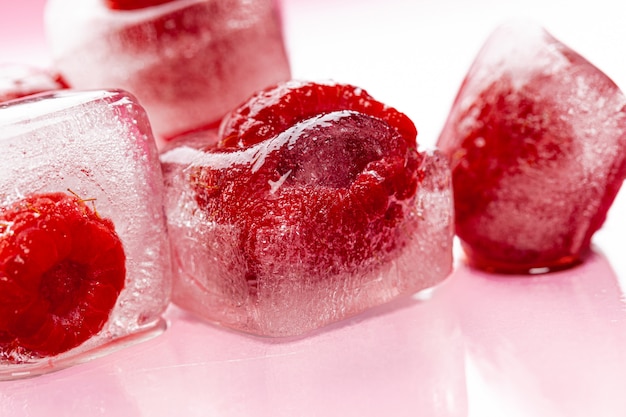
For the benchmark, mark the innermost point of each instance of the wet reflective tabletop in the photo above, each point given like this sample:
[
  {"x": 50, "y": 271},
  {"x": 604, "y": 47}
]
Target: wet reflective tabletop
[{"x": 552, "y": 345}]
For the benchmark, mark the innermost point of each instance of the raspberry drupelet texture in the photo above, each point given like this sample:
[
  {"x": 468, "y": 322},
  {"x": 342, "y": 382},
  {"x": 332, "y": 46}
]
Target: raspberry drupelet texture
[
  {"x": 279, "y": 107},
  {"x": 132, "y": 4},
  {"x": 339, "y": 187},
  {"x": 536, "y": 139},
  {"x": 336, "y": 167},
  {"x": 313, "y": 205},
  {"x": 62, "y": 268}
]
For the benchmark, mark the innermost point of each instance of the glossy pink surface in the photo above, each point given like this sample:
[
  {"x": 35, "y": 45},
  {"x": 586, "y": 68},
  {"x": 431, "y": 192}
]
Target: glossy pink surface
[
  {"x": 196, "y": 369},
  {"x": 549, "y": 345},
  {"x": 523, "y": 346},
  {"x": 483, "y": 346}
]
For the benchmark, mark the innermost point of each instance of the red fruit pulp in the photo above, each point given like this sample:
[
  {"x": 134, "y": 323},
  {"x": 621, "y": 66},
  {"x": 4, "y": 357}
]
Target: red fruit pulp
[
  {"x": 277, "y": 108},
  {"x": 516, "y": 133},
  {"x": 62, "y": 268},
  {"x": 329, "y": 189},
  {"x": 133, "y": 4},
  {"x": 537, "y": 144}
]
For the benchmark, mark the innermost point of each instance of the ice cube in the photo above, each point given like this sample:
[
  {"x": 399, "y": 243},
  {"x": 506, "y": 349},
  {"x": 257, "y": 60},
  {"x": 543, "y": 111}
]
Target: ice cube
[
  {"x": 18, "y": 81},
  {"x": 93, "y": 153},
  {"x": 313, "y": 225},
  {"x": 187, "y": 61},
  {"x": 537, "y": 143}
]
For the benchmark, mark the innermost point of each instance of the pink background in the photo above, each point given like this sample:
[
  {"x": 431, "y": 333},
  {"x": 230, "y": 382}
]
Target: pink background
[{"x": 21, "y": 32}]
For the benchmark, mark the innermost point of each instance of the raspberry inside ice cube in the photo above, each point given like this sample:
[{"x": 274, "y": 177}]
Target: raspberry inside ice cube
[
  {"x": 84, "y": 252},
  {"x": 278, "y": 107},
  {"x": 188, "y": 62},
  {"x": 536, "y": 138},
  {"x": 333, "y": 214},
  {"x": 62, "y": 267},
  {"x": 337, "y": 182}
]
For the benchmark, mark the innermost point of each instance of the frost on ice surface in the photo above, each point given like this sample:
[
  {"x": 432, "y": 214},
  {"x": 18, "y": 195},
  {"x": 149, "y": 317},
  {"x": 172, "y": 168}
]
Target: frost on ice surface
[
  {"x": 536, "y": 139},
  {"x": 328, "y": 218},
  {"x": 97, "y": 146},
  {"x": 187, "y": 61},
  {"x": 18, "y": 81}
]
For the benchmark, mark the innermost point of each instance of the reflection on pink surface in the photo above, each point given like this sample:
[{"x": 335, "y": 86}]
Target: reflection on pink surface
[
  {"x": 549, "y": 345},
  {"x": 403, "y": 359},
  {"x": 484, "y": 345}
]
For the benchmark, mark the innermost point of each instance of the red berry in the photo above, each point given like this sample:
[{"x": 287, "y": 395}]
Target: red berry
[
  {"x": 133, "y": 4},
  {"x": 537, "y": 144},
  {"x": 277, "y": 108},
  {"x": 334, "y": 186},
  {"x": 62, "y": 268},
  {"x": 17, "y": 81}
]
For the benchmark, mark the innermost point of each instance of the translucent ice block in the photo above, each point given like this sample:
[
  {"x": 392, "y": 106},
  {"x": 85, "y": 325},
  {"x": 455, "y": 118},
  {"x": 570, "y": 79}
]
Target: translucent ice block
[
  {"x": 312, "y": 245},
  {"x": 537, "y": 143},
  {"x": 95, "y": 150},
  {"x": 187, "y": 61},
  {"x": 18, "y": 81}
]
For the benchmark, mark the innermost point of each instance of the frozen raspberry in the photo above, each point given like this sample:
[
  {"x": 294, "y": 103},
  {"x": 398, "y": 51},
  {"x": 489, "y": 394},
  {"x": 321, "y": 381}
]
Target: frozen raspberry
[
  {"x": 187, "y": 62},
  {"x": 17, "y": 81},
  {"x": 62, "y": 268},
  {"x": 133, "y": 4},
  {"x": 336, "y": 183},
  {"x": 277, "y": 108},
  {"x": 314, "y": 205},
  {"x": 537, "y": 143}
]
